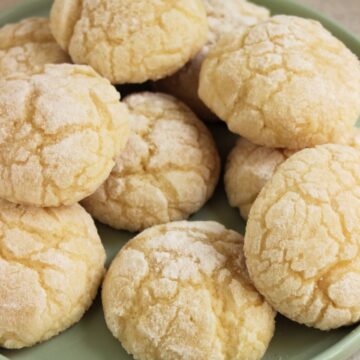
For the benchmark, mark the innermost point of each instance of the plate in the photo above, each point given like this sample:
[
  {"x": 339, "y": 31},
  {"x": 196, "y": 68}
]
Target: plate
[{"x": 91, "y": 340}]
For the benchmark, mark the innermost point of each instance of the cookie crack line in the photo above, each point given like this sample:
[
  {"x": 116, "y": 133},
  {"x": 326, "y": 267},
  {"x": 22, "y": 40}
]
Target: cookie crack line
[
  {"x": 276, "y": 246},
  {"x": 155, "y": 250},
  {"x": 96, "y": 129},
  {"x": 148, "y": 175},
  {"x": 83, "y": 34},
  {"x": 278, "y": 72},
  {"x": 48, "y": 284}
]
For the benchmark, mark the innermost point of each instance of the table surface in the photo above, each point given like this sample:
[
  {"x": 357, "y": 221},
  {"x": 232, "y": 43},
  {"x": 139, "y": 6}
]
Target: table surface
[{"x": 346, "y": 12}]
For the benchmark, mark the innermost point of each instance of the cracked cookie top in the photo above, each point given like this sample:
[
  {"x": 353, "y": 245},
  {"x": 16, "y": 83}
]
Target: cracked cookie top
[
  {"x": 286, "y": 82},
  {"x": 168, "y": 170},
  {"x": 223, "y": 16},
  {"x": 130, "y": 41},
  {"x": 60, "y": 130},
  {"x": 181, "y": 291},
  {"x": 28, "y": 44},
  {"x": 51, "y": 264},
  {"x": 302, "y": 238}
]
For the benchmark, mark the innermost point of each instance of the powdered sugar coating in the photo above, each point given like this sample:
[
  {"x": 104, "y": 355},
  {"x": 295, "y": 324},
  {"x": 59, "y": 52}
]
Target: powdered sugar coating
[
  {"x": 28, "y": 44},
  {"x": 223, "y": 17},
  {"x": 286, "y": 82},
  {"x": 51, "y": 264},
  {"x": 302, "y": 237},
  {"x": 166, "y": 292},
  {"x": 60, "y": 130},
  {"x": 130, "y": 42},
  {"x": 168, "y": 170}
]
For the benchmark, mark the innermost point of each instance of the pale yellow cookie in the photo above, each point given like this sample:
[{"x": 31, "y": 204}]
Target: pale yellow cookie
[
  {"x": 248, "y": 168},
  {"x": 60, "y": 131},
  {"x": 181, "y": 291},
  {"x": 223, "y": 16},
  {"x": 28, "y": 44},
  {"x": 286, "y": 82},
  {"x": 303, "y": 237},
  {"x": 130, "y": 41},
  {"x": 168, "y": 170},
  {"x": 51, "y": 265}
]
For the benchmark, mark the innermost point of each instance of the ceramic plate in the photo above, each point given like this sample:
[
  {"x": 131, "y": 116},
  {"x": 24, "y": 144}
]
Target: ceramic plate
[{"x": 91, "y": 340}]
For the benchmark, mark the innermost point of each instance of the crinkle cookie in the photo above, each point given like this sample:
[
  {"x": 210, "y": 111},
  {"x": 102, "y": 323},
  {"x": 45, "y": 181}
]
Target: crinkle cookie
[
  {"x": 286, "y": 82},
  {"x": 303, "y": 237},
  {"x": 51, "y": 265},
  {"x": 181, "y": 291},
  {"x": 130, "y": 41},
  {"x": 60, "y": 131},
  {"x": 27, "y": 44},
  {"x": 223, "y": 16},
  {"x": 248, "y": 168},
  {"x": 167, "y": 171}
]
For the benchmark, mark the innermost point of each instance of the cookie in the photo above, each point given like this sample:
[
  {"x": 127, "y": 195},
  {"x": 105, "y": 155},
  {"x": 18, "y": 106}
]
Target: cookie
[
  {"x": 28, "y": 44},
  {"x": 302, "y": 237},
  {"x": 248, "y": 168},
  {"x": 130, "y": 41},
  {"x": 51, "y": 265},
  {"x": 168, "y": 170},
  {"x": 223, "y": 17},
  {"x": 286, "y": 82},
  {"x": 60, "y": 131},
  {"x": 181, "y": 291}
]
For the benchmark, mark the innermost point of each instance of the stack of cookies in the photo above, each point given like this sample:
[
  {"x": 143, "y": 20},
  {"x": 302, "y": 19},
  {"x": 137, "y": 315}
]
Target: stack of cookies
[{"x": 179, "y": 289}]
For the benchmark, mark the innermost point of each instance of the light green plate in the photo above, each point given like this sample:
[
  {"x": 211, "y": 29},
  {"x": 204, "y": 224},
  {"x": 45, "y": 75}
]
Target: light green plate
[{"x": 91, "y": 340}]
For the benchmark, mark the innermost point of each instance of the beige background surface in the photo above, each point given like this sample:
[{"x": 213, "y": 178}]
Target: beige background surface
[{"x": 345, "y": 11}]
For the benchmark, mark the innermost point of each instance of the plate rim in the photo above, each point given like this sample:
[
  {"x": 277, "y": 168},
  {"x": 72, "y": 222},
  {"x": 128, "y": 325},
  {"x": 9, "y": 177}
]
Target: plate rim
[
  {"x": 23, "y": 4},
  {"x": 350, "y": 343}
]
